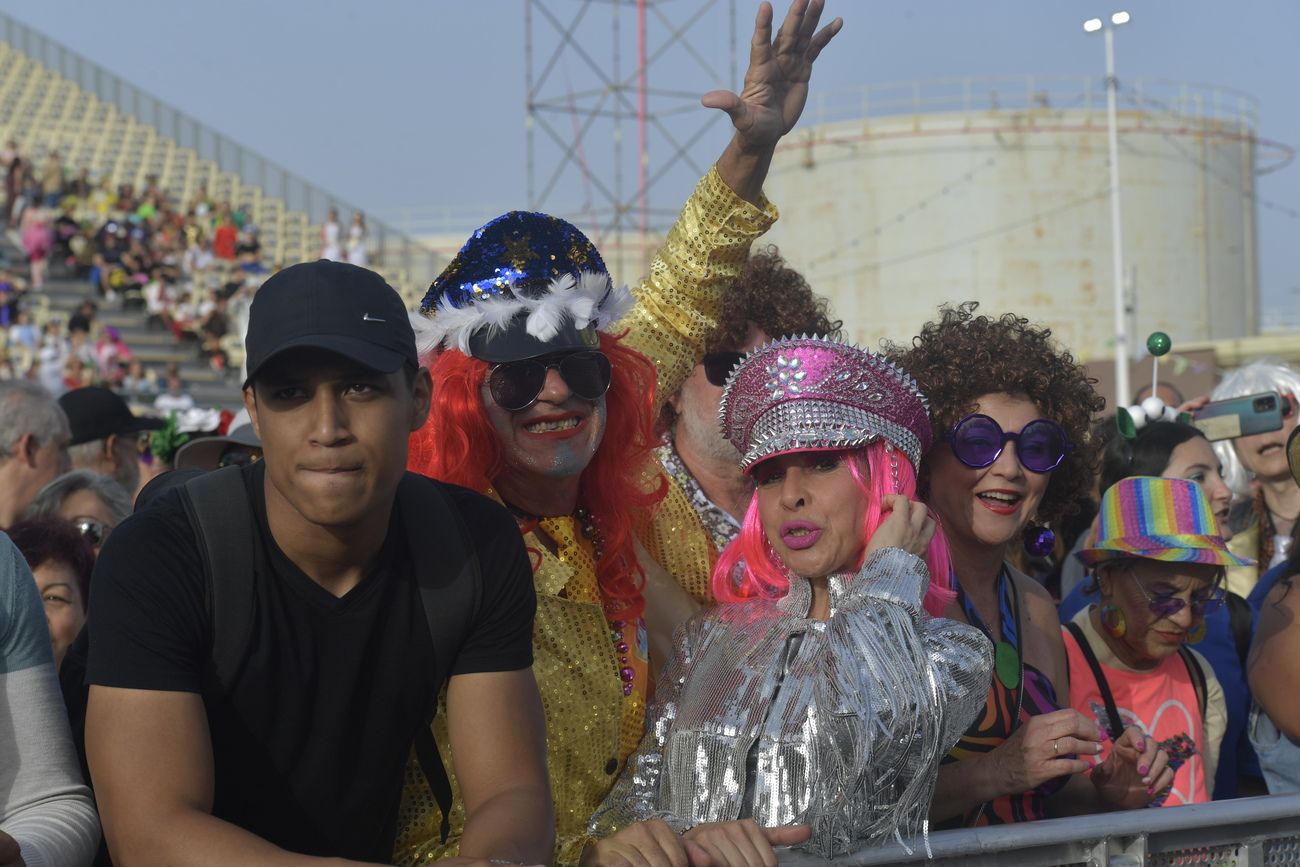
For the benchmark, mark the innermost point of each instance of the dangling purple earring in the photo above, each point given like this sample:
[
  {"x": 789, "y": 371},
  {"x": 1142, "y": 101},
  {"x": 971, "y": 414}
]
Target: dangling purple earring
[{"x": 1039, "y": 540}]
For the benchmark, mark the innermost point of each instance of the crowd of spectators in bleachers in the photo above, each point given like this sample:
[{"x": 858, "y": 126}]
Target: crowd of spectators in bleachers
[{"x": 189, "y": 266}]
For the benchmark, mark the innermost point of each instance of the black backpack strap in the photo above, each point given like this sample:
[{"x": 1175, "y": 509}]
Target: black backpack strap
[
  {"x": 1198, "y": 679},
  {"x": 1239, "y": 618},
  {"x": 1112, "y": 712},
  {"x": 448, "y": 580},
  {"x": 217, "y": 505}
]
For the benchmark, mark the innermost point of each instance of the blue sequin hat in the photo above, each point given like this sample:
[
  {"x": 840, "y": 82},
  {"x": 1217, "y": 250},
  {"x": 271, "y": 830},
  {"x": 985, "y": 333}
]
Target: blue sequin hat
[{"x": 524, "y": 285}]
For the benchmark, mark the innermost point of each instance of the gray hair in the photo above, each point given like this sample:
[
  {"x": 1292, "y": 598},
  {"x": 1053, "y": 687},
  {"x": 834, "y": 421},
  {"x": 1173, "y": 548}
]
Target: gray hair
[
  {"x": 86, "y": 455},
  {"x": 1263, "y": 374},
  {"x": 50, "y": 498},
  {"x": 27, "y": 408}
]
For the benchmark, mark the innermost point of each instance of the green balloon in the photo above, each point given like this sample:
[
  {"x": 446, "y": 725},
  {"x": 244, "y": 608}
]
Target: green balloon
[{"x": 1159, "y": 343}]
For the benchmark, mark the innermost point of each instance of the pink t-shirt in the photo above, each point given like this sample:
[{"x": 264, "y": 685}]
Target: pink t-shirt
[{"x": 1160, "y": 701}]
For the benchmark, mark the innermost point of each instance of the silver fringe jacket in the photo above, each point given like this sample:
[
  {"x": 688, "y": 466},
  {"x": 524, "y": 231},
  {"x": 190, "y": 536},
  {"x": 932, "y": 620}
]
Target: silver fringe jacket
[{"x": 840, "y": 724}]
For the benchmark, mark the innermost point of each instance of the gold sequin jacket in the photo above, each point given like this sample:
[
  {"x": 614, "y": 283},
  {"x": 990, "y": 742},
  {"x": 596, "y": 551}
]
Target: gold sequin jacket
[
  {"x": 840, "y": 724},
  {"x": 591, "y": 727},
  {"x": 677, "y": 535}
]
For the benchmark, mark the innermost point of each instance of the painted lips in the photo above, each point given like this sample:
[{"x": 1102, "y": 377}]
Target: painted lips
[
  {"x": 554, "y": 426},
  {"x": 1000, "y": 502},
  {"x": 798, "y": 535}
]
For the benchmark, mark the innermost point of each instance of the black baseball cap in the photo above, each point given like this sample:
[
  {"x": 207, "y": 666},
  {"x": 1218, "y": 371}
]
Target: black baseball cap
[
  {"x": 96, "y": 413},
  {"x": 328, "y": 305}
]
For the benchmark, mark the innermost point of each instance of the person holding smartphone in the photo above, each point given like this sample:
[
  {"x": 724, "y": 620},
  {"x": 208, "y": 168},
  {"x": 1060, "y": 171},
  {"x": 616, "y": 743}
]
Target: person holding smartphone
[{"x": 1255, "y": 468}]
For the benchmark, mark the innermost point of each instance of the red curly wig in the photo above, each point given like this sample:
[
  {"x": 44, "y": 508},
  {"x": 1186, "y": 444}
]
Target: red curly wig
[{"x": 458, "y": 445}]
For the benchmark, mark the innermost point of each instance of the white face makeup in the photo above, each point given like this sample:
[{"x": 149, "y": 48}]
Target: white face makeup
[{"x": 554, "y": 438}]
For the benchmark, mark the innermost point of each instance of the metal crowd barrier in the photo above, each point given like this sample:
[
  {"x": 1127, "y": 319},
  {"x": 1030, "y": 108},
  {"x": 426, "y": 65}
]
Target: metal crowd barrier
[{"x": 1249, "y": 832}]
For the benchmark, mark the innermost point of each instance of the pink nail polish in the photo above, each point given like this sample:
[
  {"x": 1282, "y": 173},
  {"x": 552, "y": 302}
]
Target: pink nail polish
[{"x": 1142, "y": 769}]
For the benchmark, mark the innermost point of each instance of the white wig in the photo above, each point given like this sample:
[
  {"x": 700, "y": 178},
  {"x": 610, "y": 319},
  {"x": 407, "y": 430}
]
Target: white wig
[{"x": 1263, "y": 374}]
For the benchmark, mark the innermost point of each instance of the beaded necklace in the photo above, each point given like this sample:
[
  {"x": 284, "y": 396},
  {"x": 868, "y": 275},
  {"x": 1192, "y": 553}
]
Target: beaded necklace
[
  {"x": 626, "y": 673},
  {"x": 617, "y": 627}
]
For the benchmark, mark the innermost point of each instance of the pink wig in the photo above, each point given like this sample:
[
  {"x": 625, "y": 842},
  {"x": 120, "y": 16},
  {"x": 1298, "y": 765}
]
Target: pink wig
[{"x": 765, "y": 576}]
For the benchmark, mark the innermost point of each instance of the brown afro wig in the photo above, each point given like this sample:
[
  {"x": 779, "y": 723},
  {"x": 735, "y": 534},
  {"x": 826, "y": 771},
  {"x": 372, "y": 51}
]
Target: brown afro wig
[
  {"x": 776, "y": 298},
  {"x": 961, "y": 356}
]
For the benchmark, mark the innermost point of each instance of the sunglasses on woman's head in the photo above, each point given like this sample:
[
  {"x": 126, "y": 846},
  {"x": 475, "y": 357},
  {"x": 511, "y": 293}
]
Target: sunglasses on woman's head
[
  {"x": 516, "y": 385},
  {"x": 1164, "y": 605},
  {"x": 977, "y": 441},
  {"x": 93, "y": 531},
  {"x": 718, "y": 366}
]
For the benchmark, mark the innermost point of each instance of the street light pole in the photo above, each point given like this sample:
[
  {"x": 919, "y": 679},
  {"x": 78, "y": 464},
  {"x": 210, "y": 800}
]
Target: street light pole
[{"x": 1122, "y": 393}]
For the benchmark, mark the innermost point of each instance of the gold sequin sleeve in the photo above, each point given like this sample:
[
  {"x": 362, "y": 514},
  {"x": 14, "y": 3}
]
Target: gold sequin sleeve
[{"x": 679, "y": 300}]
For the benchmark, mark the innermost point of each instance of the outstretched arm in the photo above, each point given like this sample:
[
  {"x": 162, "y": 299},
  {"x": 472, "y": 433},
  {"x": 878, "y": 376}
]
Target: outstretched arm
[
  {"x": 707, "y": 247},
  {"x": 774, "y": 95}
]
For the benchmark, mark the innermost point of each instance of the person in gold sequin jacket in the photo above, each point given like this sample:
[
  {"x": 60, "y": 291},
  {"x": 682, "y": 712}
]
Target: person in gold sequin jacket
[{"x": 545, "y": 395}]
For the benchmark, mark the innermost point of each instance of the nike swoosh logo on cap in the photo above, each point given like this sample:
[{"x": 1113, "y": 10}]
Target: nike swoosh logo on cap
[{"x": 368, "y": 318}]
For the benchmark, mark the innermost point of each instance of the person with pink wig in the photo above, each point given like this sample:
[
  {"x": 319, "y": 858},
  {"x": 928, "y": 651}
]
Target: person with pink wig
[{"x": 813, "y": 705}]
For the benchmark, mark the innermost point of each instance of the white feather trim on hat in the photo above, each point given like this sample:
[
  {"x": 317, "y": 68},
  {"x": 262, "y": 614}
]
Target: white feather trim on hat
[
  {"x": 589, "y": 300},
  {"x": 427, "y": 339}
]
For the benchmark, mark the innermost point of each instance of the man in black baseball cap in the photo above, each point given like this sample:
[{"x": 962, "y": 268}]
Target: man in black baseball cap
[
  {"x": 105, "y": 434},
  {"x": 334, "y": 306},
  {"x": 306, "y": 746}
]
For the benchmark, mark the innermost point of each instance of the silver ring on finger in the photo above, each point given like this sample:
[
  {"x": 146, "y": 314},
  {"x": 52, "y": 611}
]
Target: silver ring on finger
[{"x": 1056, "y": 750}]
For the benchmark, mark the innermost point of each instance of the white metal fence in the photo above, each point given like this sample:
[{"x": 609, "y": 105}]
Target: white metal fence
[{"x": 1249, "y": 832}]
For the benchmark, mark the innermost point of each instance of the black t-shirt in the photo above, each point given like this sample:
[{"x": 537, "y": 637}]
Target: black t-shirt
[{"x": 311, "y": 741}]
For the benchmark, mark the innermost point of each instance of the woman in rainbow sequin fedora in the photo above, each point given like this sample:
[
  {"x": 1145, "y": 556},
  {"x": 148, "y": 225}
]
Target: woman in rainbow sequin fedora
[{"x": 1157, "y": 558}]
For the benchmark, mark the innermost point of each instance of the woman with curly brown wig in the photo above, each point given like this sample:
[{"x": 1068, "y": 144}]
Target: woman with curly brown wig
[{"x": 1011, "y": 412}]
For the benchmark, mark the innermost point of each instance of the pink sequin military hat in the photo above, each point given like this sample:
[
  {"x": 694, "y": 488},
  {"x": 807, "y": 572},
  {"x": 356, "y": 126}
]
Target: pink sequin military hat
[{"x": 813, "y": 394}]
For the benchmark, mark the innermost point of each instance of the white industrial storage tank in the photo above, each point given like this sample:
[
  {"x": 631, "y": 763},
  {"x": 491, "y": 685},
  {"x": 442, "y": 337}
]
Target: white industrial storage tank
[{"x": 895, "y": 199}]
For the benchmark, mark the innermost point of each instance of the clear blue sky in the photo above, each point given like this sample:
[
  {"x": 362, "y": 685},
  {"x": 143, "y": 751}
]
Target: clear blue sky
[{"x": 419, "y": 104}]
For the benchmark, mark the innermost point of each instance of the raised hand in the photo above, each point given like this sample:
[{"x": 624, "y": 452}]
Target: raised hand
[
  {"x": 776, "y": 82},
  {"x": 907, "y": 525}
]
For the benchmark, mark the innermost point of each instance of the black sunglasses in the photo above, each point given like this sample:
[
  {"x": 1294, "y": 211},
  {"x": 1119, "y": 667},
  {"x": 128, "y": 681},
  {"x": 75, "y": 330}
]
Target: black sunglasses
[
  {"x": 93, "y": 531},
  {"x": 516, "y": 385},
  {"x": 977, "y": 441},
  {"x": 718, "y": 366}
]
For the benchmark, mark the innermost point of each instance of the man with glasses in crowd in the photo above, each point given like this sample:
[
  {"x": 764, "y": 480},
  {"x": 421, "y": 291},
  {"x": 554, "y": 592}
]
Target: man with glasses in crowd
[
  {"x": 549, "y": 382},
  {"x": 708, "y": 494}
]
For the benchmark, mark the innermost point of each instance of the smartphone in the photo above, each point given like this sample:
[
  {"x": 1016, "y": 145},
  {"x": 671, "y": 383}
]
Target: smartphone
[{"x": 1240, "y": 416}]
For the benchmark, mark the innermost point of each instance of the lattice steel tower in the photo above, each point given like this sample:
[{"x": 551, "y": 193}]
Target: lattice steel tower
[{"x": 638, "y": 67}]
